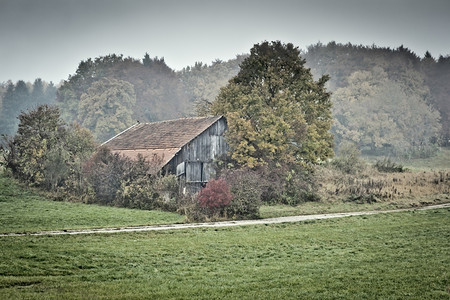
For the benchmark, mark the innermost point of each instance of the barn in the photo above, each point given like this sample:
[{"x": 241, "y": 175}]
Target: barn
[{"x": 185, "y": 147}]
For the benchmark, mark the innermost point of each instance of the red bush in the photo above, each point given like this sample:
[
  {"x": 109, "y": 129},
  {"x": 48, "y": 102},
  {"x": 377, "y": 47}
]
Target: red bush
[{"x": 215, "y": 195}]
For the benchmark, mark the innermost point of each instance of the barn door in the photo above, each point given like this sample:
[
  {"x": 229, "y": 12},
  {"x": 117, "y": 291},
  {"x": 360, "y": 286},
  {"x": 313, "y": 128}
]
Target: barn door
[{"x": 194, "y": 171}]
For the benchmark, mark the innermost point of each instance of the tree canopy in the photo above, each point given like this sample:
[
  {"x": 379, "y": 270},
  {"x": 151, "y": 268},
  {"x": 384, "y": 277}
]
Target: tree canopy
[
  {"x": 424, "y": 78},
  {"x": 106, "y": 108},
  {"x": 159, "y": 93},
  {"x": 162, "y": 93},
  {"x": 383, "y": 116},
  {"x": 276, "y": 112},
  {"x": 45, "y": 151}
]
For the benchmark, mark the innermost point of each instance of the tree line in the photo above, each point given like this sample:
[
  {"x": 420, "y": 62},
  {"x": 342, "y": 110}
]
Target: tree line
[
  {"x": 369, "y": 86},
  {"x": 22, "y": 96},
  {"x": 283, "y": 122}
]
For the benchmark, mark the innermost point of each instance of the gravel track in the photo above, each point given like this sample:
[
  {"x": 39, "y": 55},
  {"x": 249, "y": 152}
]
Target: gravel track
[{"x": 292, "y": 219}]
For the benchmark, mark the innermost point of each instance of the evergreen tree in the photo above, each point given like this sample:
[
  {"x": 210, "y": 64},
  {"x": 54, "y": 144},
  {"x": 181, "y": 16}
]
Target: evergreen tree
[
  {"x": 8, "y": 119},
  {"x": 50, "y": 93},
  {"x": 276, "y": 112},
  {"x": 15, "y": 100},
  {"x": 147, "y": 61},
  {"x": 21, "y": 97},
  {"x": 38, "y": 93}
]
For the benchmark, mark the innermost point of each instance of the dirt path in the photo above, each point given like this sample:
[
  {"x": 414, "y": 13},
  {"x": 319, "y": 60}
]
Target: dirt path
[{"x": 220, "y": 224}]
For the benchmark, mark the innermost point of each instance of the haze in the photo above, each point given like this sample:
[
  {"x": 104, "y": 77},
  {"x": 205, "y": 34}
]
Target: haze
[{"x": 48, "y": 38}]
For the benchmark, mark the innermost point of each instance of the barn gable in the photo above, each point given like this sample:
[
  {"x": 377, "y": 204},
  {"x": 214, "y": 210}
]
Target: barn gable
[{"x": 186, "y": 147}]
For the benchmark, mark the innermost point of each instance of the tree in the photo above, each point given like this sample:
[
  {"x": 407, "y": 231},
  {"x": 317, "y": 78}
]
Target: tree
[
  {"x": 8, "y": 113},
  {"x": 275, "y": 110},
  {"x": 63, "y": 167},
  {"x": 46, "y": 152},
  {"x": 27, "y": 150},
  {"x": 147, "y": 61},
  {"x": 50, "y": 93},
  {"x": 16, "y": 100},
  {"x": 22, "y": 97},
  {"x": 437, "y": 77},
  {"x": 106, "y": 108},
  {"x": 159, "y": 91},
  {"x": 382, "y": 116},
  {"x": 38, "y": 94},
  {"x": 202, "y": 83}
]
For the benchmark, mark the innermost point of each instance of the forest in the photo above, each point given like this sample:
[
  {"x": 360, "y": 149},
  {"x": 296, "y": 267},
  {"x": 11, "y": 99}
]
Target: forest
[{"x": 386, "y": 101}]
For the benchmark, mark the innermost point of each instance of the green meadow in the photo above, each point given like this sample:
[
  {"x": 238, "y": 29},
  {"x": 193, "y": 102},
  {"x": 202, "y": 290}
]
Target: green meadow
[
  {"x": 23, "y": 210},
  {"x": 388, "y": 256},
  {"x": 403, "y": 255}
]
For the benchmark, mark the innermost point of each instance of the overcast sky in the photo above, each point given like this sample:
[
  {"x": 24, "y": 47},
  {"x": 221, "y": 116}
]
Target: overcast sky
[{"x": 48, "y": 38}]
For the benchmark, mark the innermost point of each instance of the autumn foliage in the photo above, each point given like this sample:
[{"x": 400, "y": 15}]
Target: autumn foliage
[{"x": 215, "y": 196}]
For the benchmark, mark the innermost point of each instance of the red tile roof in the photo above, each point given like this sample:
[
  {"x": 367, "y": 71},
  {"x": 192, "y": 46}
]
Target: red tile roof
[
  {"x": 158, "y": 158},
  {"x": 158, "y": 142}
]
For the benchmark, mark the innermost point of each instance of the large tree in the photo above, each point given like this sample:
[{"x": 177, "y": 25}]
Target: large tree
[
  {"x": 106, "y": 108},
  {"x": 276, "y": 112},
  {"x": 46, "y": 152}
]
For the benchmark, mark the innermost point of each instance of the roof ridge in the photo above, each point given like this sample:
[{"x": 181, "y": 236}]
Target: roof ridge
[
  {"x": 183, "y": 118},
  {"x": 134, "y": 125}
]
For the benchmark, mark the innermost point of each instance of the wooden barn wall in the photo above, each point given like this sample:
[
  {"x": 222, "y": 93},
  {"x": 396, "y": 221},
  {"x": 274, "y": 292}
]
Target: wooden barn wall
[{"x": 199, "y": 154}]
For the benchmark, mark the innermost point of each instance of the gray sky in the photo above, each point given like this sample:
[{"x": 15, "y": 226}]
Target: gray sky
[{"x": 48, "y": 38}]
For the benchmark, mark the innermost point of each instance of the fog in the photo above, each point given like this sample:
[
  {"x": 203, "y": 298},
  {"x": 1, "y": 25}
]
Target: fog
[{"x": 48, "y": 38}]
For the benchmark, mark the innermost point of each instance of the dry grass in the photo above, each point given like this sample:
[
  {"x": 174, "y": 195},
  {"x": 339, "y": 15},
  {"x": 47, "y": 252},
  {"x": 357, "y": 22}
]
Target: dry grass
[{"x": 372, "y": 186}]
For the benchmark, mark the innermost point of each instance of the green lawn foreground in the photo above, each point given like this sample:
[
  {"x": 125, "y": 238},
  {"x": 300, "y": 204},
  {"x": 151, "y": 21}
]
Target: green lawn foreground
[
  {"x": 387, "y": 256},
  {"x": 22, "y": 210}
]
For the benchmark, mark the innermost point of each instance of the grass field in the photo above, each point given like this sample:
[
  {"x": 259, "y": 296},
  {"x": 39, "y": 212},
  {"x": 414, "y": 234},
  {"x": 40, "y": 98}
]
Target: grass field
[
  {"x": 22, "y": 210},
  {"x": 388, "y": 256}
]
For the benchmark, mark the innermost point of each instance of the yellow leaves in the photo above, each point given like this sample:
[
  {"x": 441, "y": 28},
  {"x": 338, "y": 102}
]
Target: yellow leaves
[{"x": 269, "y": 106}]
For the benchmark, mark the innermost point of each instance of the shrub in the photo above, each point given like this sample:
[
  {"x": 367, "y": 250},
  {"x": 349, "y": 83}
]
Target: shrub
[
  {"x": 387, "y": 166},
  {"x": 215, "y": 196},
  {"x": 167, "y": 185},
  {"x": 299, "y": 187},
  {"x": 246, "y": 189},
  {"x": 138, "y": 193},
  {"x": 286, "y": 184},
  {"x": 271, "y": 182},
  {"x": 104, "y": 173},
  {"x": 189, "y": 206},
  {"x": 349, "y": 159},
  {"x": 119, "y": 181}
]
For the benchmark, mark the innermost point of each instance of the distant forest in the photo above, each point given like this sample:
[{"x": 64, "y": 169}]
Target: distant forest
[{"x": 386, "y": 101}]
